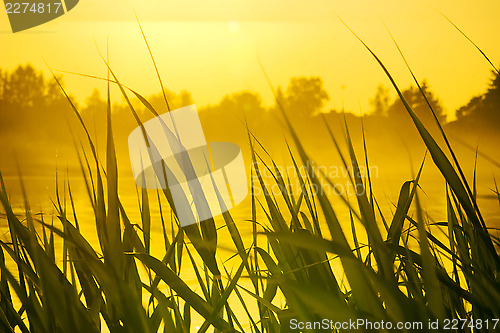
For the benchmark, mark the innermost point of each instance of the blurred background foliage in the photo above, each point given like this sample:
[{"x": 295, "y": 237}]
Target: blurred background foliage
[{"x": 34, "y": 118}]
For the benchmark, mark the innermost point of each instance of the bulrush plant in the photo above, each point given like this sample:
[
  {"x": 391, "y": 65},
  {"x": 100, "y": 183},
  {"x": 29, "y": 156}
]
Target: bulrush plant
[{"x": 393, "y": 268}]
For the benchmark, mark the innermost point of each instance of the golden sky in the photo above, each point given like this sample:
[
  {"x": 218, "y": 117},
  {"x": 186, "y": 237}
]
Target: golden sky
[{"x": 211, "y": 48}]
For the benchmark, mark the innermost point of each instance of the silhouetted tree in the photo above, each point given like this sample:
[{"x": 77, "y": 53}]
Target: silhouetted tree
[
  {"x": 230, "y": 114},
  {"x": 304, "y": 97},
  {"x": 471, "y": 108},
  {"x": 36, "y": 122},
  {"x": 175, "y": 101},
  {"x": 484, "y": 108},
  {"x": 25, "y": 87},
  {"x": 2, "y": 83},
  {"x": 380, "y": 102},
  {"x": 31, "y": 103},
  {"x": 416, "y": 101}
]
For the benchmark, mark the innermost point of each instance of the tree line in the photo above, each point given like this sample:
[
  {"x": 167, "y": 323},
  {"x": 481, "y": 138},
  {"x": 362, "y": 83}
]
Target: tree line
[{"x": 34, "y": 114}]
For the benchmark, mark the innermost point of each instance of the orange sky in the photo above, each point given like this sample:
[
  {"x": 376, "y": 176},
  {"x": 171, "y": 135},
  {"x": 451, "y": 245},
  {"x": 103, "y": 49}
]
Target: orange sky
[{"x": 212, "y": 48}]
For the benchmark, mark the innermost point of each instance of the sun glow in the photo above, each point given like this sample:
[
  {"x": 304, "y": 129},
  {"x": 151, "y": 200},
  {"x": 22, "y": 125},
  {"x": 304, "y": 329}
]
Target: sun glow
[{"x": 233, "y": 27}]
